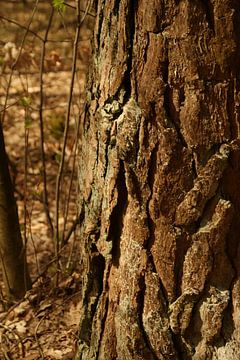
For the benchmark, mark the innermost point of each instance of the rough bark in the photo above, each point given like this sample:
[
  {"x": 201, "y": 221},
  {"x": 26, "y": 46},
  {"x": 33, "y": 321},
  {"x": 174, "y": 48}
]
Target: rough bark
[
  {"x": 12, "y": 252},
  {"x": 159, "y": 182}
]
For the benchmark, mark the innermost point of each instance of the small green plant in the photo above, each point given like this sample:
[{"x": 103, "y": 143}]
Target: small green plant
[
  {"x": 58, "y": 158},
  {"x": 28, "y": 122},
  {"x": 56, "y": 125},
  {"x": 59, "y": 5},
  {"x": 25, "y": 101}
]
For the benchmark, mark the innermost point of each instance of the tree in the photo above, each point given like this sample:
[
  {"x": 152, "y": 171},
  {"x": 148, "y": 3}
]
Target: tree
[
  {"x": 12, "y": 252},
  {"x": 159, "y": 182}
]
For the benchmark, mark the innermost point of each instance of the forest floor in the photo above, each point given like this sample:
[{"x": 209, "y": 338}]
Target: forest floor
[{"x": 44, "y": 325}]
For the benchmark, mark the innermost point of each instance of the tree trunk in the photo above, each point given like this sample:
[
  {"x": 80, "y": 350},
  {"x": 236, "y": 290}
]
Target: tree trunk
[
  {"x": 12, "y": 252},
  {"x": 159, "y": 177}
]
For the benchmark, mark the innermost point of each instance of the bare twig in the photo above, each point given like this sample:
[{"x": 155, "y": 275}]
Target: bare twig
[
  {"x": 26, "y": 146},
  {"x": 17, "y": 59},
  {"x": 17, "y": 337},
  {"x": 71, "y": 180},
  {"x": 66, "y": 129},
  {"x": 10, "y": 105},
  {"x": 81, "y": 10},
  {"x": 76, "y": 222},
  {"x": 43, "y": 157},
  {"x": 37, "y": 340},
  {"x": 21, "y": 26}
]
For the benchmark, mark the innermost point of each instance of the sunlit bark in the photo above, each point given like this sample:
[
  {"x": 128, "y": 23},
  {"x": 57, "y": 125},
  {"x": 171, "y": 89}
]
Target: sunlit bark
[{"x": 159, "y": 179}]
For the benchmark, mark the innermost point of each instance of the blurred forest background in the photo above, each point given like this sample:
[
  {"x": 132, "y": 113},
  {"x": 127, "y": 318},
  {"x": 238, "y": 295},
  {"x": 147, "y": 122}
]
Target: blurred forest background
[{"x": 44, "y": 57}]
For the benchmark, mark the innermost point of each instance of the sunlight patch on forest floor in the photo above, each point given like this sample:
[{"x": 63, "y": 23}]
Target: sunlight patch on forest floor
[{"x": 44, "y": 325}]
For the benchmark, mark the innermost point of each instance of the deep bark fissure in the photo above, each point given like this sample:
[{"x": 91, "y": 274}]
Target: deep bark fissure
[
  {"x": 177, "y": 341},
  {"x": 116, "y": 7},
  {"x": 194, "y": 168},
  {"x": 106, "y": 304},
  {"x": 172, "y": 115},
  {"x": 107, "y": 144},
  {"x": 182, "y": 245},
  {"x": 227, "y": 322},
  {"x": 135, "y": 185},
  {"x": 100, "y": 23},
  {"x": 230, "y": 109},
  {"x": 140, "y": 300},
  {"x": 94, "y": 287},
  {"x": 151, "y": 178},
  {"x": 103, "y": 327},
  {"x": 146, "y": 48},
  {"x": 117, "y": 215},
  {"x": 130, "y": 30},
  {"x": 209, "y": 12}
]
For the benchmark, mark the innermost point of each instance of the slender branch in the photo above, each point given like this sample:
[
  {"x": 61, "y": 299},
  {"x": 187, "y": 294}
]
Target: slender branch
[
  {"x": 40, "y": 350},
  {"x": 17, "y": 59},
  {"x": 17, "y": 337},
  {"x": 26, "y": 146},
  {"x": 77, "y": 221},
  {"x": 43, "y": 157},
  {"x": 66, "y": 129},
  {"x": 26, "y": 143},
  {"x": 71, "y": 178},
  {"x": 81, "y": 10},
  {"x": 2, "y": 17}
]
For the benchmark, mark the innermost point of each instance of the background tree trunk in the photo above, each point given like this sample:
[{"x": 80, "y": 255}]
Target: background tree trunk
[
  {"x": 12, "y": 252},
  {"x": 159, "y": 182}
]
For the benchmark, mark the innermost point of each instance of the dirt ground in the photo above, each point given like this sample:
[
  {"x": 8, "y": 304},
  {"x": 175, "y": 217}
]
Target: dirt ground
[{"x": 44, "y": 324}]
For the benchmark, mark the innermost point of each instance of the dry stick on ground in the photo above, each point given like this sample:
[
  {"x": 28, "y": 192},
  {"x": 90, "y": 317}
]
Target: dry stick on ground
[
  {"x": 43, "y": 157},
  {"x": 17, "y": 337},
  {"x": 67, "y": 121},
  {"x": 17, "y": 59},
  {"x": 37, "y": 340}
]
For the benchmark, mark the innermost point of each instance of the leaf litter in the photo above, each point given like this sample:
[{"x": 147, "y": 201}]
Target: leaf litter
[{"x": 44, "y": 325}]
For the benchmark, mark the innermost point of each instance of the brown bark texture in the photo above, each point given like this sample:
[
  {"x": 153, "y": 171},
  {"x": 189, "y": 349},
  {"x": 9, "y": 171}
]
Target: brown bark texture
[
  {"x": 12, "y": 253},
  {"x": 159, "y": 175}
]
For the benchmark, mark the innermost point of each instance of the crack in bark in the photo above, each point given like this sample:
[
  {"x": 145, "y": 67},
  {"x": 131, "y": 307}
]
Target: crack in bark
[
  {"x": 209, "y": 12},
  {"x": 103, "y": 327},
  {"x": 116, "y": 7},
  {"x": 171, "y": 113},
  {"x": 151, "y": 177},
  {"x": 93, "y": 290},
  {"x": 173, "y": 116},
  {"x": 230, "y": 108},
  {"x": 176, "y": 339},
  {"x": 130, "y": 31},
  {"x": 106, "y": 304},
  {"x": 117, "y": 215},
  {"x": 100, "y": 23},
  {"x": 140, "y": 301}
]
